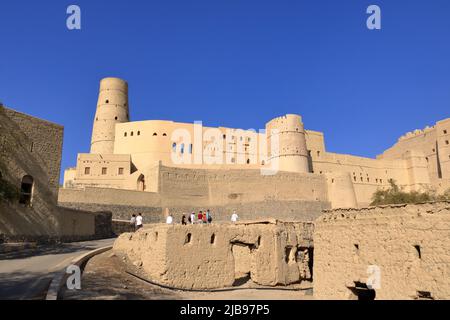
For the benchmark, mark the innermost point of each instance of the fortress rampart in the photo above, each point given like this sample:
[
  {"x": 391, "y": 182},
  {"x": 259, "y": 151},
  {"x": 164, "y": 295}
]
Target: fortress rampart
[{"x": 127, "y": 155}]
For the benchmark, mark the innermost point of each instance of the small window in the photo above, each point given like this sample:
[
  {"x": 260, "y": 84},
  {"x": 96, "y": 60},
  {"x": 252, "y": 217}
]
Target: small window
[
  {"x": 164, "y": 134},
  {"x": 107, "y": 101},
  {"x": 26, "y": 190},
  {"x": 120, "y": 171},
  {"x": 190, "y": 148},
  {"x": 224, "y": 136},
  {"x": 446, "y": 142},
  {"x": 104, "y": 171},
  {"x": 132, "y": 133},
  {"x": 188, "y": 238},
  {"x": 174, "y": 147},
  {"x": 124, "y": 134},
  {"x": 87, "y": 170},
  {"x": 445, "y": 131},
  {"x": 155, "y": 134},
  {"x": 418, "y": 252},
  {"x": 213, "y": 238},
  {"x": 115, "y": 118},
  {"x": 182, "y": 148},
  {"x": 318, "y": 153},
  {"x": 248, "y": 161},
  {"x": 138, "y": 133}
]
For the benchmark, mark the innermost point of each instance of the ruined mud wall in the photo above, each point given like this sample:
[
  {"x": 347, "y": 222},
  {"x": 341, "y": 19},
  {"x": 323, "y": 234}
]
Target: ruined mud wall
[
  {"x": 215, "y": 256},
  {"x": 409, "y": 244}
]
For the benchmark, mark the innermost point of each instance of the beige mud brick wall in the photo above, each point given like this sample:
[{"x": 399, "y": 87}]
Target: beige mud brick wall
[
  {"x": 31, "y": 146},
  {"x": 433, "y": 145},
  {"x": 386, "y": 237},
  {"x": 214, "y": 256},
  {"x": 33, "y": 142},
  {"x": 287, "y": 196}
]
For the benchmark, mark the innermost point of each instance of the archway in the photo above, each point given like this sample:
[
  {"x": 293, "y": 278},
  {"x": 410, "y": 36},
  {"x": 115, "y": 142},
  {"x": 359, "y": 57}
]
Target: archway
[
  {"x": 141, "y": 183},
  {"x": 26, "y": 190}
]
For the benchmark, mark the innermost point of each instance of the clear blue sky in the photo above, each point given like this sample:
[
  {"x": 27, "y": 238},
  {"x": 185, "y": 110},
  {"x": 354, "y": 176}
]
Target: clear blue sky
[{"x": 235, "y": 63}]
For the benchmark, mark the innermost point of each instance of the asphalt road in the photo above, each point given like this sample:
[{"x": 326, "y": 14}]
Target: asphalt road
[{"x": 26, "y": 274}]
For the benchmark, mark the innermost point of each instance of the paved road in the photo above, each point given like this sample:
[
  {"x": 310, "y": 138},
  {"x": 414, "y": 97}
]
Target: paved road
[{"x": 26, "y": 274}]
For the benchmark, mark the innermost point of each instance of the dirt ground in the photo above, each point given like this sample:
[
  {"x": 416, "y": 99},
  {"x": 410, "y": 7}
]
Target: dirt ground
[{"x": 105, "y": 278}]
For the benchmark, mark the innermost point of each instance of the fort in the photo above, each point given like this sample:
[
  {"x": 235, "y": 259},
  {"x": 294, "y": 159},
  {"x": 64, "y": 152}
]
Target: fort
[
  {"x": 155, "y": 164},
  {"x": 304, "y": 212}
]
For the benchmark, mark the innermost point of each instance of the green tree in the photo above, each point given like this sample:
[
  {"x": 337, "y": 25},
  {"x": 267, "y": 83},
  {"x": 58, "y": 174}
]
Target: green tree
[{"x": 394, "y": 195}]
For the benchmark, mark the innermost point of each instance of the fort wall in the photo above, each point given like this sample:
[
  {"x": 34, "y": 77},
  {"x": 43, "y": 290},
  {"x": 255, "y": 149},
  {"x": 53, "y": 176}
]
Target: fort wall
[{"x": 30, "y": 152}]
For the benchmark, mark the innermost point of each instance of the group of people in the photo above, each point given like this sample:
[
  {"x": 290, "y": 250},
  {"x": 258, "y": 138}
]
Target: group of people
[
  {"x": 203, "y": 217},
  {"x": 136, "y": 222}
]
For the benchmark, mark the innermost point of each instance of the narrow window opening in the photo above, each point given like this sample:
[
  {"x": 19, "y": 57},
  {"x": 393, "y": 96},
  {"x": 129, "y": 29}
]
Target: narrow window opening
[
  {"x": 26, "y": 190},
  {"x": 188, "y": 238},
  {"x": 418, "y": 251}
]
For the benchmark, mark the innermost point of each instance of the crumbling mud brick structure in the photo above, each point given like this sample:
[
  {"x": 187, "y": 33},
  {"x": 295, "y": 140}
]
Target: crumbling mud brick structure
[
  {"x": 268, "y": 252},
  {"x": 401, "y": 251}
]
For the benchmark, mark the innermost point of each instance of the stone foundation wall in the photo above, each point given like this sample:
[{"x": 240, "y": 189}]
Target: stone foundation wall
[{"x": 283, "y": 210}]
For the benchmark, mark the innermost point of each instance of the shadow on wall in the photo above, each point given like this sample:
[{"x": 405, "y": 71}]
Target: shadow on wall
[{"x": 25, "y": 221}]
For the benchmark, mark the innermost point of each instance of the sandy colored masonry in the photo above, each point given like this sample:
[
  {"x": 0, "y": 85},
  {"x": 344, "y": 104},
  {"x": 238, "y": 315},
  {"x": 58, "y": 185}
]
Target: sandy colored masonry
[
  {"x": 402, "y": 251},
  {"x": 128, "y": 154},
  {"x": 408, "y": 244},
  {"x": 30, "y": 155},
  {"x": 214, "y": 256}
]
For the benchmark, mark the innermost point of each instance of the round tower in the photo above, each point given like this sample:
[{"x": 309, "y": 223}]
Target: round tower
[
  {"x": 286, "y": 143},
  {"x": 112, "y": 108}
]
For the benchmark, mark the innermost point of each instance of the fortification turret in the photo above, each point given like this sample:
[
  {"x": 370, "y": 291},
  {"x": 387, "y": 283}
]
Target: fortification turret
[
  {"x": 291, "y": 153},
  {"x": 112, "y": 108}
]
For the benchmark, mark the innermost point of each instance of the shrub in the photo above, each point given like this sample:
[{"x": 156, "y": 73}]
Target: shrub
[{"x": 393, "y": 195}]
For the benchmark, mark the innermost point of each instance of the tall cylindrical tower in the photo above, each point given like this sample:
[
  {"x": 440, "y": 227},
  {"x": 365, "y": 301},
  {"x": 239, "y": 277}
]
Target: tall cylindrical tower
[
  {"x": 290, "y": 150},
  {"x": 112, "y": 108}
]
